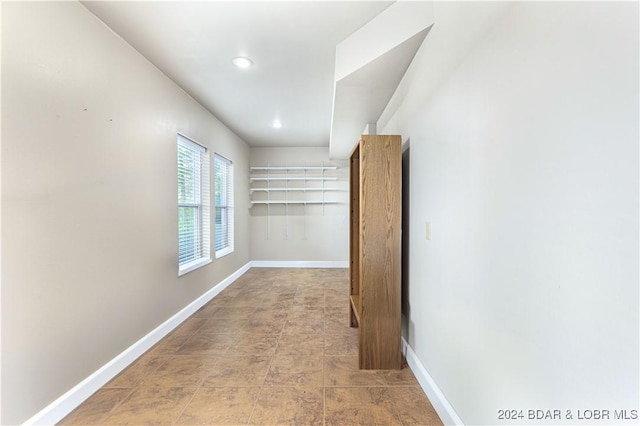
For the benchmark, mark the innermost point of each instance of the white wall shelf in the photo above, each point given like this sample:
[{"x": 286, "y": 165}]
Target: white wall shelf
[
  {"x": 285, "y": 178},
  {"x": 293, "y": 202},
  {"x": 303, "y": 186},
  {"x": 299, "y": 189},
  {"x": 310, "y": 168}
]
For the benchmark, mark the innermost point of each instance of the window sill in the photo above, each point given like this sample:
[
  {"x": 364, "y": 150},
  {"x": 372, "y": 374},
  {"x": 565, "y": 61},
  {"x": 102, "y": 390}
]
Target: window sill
[
  {"x": 193, "y": 265},
  {"x": 224, "y": 252}
]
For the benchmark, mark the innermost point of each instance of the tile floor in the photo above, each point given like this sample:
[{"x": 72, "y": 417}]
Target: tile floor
[{"x": 273, "y": 348}]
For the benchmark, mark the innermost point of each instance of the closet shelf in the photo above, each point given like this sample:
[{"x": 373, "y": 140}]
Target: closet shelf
[
  {"x": 293, "y": 202},
  {"x": 267, "y": 179},
  {"x": 284, "y": 191},
  {"x": 295, "y": 189},
  {"x": 293, "y": 168}
]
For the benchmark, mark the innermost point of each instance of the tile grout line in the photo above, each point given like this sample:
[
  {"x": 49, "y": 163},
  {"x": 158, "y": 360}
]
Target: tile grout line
[
  {"x": 203, "y": 380},
  {"x": 132, "y": 389},
  {"x": 324, "y": 358},
  {"x": 187, "y": 404},
  {"x": 394, "y": 406},
  {"x": 105, "y": 416},
  {"x": 255, "y": 404}
]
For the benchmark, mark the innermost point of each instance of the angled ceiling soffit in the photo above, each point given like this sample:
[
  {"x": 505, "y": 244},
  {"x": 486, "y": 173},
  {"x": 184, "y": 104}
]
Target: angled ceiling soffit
[{"x": 369, "y": 66}]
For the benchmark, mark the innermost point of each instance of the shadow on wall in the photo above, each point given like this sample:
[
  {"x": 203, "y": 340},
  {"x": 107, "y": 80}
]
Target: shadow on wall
[{"x": 406, "y": 309}]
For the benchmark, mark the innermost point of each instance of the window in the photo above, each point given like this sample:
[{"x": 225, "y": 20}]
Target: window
[
  {"x": 223, "y": 181},
  {"x": 193, "y": 206}
]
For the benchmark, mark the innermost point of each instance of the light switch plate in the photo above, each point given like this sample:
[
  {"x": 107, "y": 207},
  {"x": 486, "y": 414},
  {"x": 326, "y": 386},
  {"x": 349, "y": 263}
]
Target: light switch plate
[{"x": 428, "y": 230}]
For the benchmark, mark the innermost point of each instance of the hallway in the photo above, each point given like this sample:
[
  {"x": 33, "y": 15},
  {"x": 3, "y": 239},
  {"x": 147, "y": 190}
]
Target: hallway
[{"x": 275, "y": 347}]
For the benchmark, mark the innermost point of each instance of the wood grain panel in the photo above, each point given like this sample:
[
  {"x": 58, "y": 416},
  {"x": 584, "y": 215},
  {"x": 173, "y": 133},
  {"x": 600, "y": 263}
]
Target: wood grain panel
[
  {"x": 380, "y": 204},
  {"x": 355, "y": 306},
  {"x": 354, "y": 232}
]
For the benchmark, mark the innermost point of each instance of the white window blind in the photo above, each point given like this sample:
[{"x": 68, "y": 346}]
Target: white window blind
[
  {"x": 194, "y": 218},
  {"x": 223, "y": 196}
]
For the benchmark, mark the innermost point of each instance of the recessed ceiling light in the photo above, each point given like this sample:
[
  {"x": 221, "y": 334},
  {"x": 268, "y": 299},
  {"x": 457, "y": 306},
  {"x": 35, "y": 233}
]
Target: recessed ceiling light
[
  {"x": 277, "y": 124},
  {"x": 242, "y": 62}
]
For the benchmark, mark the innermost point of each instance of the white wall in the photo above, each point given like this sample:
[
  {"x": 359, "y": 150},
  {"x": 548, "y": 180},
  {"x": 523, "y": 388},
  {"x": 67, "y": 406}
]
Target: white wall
[
  {"x": 295, "y": 232},
  {"x": 89, "y": 215},
  {"x": 522, "y": 120},
  {"x": 0, "y": 217}
]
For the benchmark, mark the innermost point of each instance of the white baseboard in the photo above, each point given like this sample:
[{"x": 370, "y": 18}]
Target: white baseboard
[
  {"x": 65, "y": 404},
  {"x": 299, "y": 264},
  {"x": 440, "y": 403}
]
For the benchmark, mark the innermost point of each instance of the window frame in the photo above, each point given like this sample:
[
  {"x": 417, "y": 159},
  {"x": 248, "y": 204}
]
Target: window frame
[
  {"x": 227, "y": 208},
  {"x": 201, "y": 204}
]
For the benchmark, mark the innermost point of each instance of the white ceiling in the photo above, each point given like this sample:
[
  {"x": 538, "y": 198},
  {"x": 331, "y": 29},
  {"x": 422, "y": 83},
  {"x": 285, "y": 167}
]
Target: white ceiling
[{"x": 292, "y": 44}]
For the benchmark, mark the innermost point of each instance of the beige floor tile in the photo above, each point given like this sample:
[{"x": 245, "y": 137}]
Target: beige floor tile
[
  {"x": 301, "y": 315},
  {"x": 262, "y": 275},
  {"x": 234, "y": 312},
  {"x": 220, "y": 406},
  {"x": 258, "y": 283},
  {"x": 288, "y": 406},
  {"x": 333, "y": 300},
  {"x": 403, "y": 377},
  {"x": 338, "y": 294},
  {"x": 261, "y": 280},
  {"x": 223, "y": 326},
  {"x": 301, "y": 344},
  {"x": 189, "y": 327},
  {"x": 232, "y": 291},
  {"x": 207, "y": 310},
  {"x": 169, "y": 345},
  {"x": 276, "y": 305},
  {"x": 310, "y": 301},
  {"x": 206, "y": 344},
  {"x": 279, "y": 295},
  {"x": 306, "y": 314},
  {"x": 244, "y": 300},
  {"x": 181, "y": 371},
  {"x": 344, "y": 371},
  {"x": 260, "y": 327},
  {"x": 312, "y": 288},
  {"x": 303, "y": 326},
  {"x": 305, "y": 290},
  {"x": 305, "y": 306},
  {"x": 266, "y": 322},
  {"x": 340, "y": 283},
  {"x": 413, "y": 406},
  {"x": 275, "y": 347},
  {"x": 338, "y": 314},
  {"x": 341, "y": 328},
  {"x": 269, "y": 314},
  {"x": 283, "y": 288},
  {"x": 151, "y": 406},
  {"x": 248, "y": 343},
  {"x": 362, "y": 406},
  {"x": 134, "y": 374},
  {"x": 239, "y": 371},
  {"x": 341, "y": 344},
  {"x": 95, "y": 409},
  {"x": 256, "y": 293},
  {"x": 338, "y": 326},
  {"x": 295, "y": 371}
]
